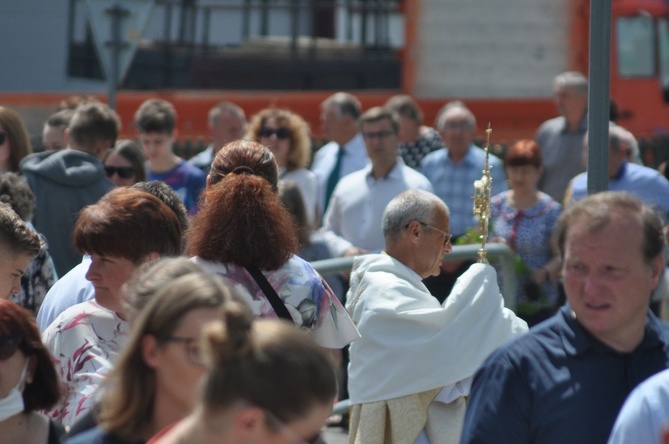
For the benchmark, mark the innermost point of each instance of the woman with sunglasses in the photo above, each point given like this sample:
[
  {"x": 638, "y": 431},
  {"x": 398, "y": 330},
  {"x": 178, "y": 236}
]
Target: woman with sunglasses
[
  {"x": 267, "y": 383},
  {"x": 28, "y": 381},
  {"x": 154, "y": 382},
  {"x": 124, "y": 164},
  {"x": 286, "y": 134},
  {"x": 14, "y": 140}
]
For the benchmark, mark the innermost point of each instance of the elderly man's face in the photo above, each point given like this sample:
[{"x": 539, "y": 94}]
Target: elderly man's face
[
  {"x": 457, "y": 130},
  {"x": 434, "y": 244},
  {"x": 608, "y": 281},
  {"x": 570, "y": 101},
  {"x": 226, "y": 128}
]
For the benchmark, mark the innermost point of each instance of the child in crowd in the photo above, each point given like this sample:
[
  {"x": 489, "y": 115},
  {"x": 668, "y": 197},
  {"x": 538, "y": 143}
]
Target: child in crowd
[{"x": 156, "y": 120}]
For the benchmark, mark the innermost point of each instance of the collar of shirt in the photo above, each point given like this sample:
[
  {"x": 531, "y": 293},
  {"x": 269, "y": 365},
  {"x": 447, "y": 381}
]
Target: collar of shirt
[
  {"x": 408, "y": 269},
  {"x": 351, "y": 145},
  {"x": 621, "y": 172},
  {"x": 469, "y": 159},
  {"x": 394, "y": 173},
  {"x": 582, "y": 126},
  {"x": 577, "y": 340}
]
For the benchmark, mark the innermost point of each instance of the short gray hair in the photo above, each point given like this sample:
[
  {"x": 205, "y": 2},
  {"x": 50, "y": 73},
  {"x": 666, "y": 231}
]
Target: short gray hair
[
  {"x": 451, "y": 108},
  {"x": 573, "y": 80},
  {"x": 226, "y": 107},
  {"x": 406, "y": 207},
  {"x": 346, "y": 104}
]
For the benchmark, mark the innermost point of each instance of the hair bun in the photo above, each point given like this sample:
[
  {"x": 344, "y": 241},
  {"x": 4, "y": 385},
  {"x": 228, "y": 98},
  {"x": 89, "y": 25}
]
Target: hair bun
[{"x": 230, "y": 338}]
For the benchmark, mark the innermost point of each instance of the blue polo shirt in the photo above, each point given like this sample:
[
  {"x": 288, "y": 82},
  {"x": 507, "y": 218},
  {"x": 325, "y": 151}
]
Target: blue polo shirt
[{"x": 558, "y": 384}]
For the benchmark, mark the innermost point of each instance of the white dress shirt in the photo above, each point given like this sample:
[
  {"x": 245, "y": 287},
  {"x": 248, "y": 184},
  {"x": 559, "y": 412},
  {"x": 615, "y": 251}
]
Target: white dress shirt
[
  {"x": 356, "y": 208},
  {"x": 355, "y": 158}
]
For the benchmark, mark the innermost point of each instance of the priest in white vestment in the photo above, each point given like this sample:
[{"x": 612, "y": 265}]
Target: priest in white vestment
[{"x": 411, "y": 370}]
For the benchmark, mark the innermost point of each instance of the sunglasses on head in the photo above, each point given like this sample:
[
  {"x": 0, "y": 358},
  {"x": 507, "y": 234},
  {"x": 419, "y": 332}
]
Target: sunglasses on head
[
  {"x": 3, "y": 137},
  {"x": 123, "y": 172},
  {"x": 281, "y": 133},
  {"x": 8, "y": 346}
]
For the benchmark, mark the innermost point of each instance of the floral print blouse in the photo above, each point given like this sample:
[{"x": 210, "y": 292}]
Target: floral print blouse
[
  {"x": 308, "y": 298},
  {"x": 84, "y": 342}
]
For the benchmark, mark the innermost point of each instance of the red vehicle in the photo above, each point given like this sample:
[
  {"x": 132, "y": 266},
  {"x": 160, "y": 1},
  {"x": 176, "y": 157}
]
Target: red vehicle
[{"x": 499, "y": 59}]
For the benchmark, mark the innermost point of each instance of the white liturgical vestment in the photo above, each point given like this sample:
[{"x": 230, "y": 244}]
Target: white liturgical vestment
[{"x": 410, "y": 343}]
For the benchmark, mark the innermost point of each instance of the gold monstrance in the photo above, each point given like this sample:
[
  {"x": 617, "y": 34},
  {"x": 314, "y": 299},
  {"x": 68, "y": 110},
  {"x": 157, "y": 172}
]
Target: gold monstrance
[{"x": 482, "y": 195}]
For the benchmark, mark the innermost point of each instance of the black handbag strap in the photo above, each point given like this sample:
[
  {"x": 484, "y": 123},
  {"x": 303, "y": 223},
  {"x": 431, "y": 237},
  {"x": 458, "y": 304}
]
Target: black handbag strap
[{"x": 271, "y": 295}]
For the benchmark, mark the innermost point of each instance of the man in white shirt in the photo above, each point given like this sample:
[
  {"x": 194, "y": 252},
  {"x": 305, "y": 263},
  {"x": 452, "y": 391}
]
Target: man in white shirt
[
  {"x": 352, "y": 223},
  {"x": 346, "y": 151},
  {"x": 411, "y": 369}
]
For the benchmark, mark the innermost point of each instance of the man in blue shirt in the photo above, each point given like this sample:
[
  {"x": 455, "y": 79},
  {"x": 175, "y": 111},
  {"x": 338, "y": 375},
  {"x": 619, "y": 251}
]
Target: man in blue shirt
[
  {"x": 565, "y": 381},
  {"x": 647, "y": 184},
  {"x": 454, "y": 169},
  {"x": 452, "y": 172}
]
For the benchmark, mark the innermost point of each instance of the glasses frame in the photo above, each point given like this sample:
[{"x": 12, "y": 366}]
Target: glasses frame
[
  {"x": 447, "y": 236},
  {"x": 381, "y": 135},
  {"x": 123, "y": 172},
  {"x": 15, "y": 342},
  {"x": 280, "y": 133},
  {"x": 193, "y": 354}
]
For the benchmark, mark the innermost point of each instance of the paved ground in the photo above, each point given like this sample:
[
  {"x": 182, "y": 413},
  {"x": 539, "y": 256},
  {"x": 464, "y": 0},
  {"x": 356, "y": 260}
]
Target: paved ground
[{"x": 335, "y": 435}]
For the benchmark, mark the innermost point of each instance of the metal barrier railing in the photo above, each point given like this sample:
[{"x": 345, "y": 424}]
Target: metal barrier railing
[{"x": 460, "y": 252}]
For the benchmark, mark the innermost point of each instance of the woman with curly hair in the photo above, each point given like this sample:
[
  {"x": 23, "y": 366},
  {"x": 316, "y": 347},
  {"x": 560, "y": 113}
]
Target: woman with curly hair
[
  {"x": 40, "y": 275},
  {"x": 243, "y": 233},
  {"x": 286, "y": 134}
]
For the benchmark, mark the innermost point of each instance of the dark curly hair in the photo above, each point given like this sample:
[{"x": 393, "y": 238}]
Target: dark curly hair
[
  {"x": 241, "y": 219},
  {"x": 16, "y": 192}
]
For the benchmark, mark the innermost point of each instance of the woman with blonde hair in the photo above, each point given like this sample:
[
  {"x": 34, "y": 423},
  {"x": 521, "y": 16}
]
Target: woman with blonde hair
[
  {"x": 154, "y": 381},
  {"x": 267, "y": 382},
  {"x": 286, "y": 134}
]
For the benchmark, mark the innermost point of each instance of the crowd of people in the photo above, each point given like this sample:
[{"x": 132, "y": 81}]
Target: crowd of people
[{"x": 147, "y": 298}]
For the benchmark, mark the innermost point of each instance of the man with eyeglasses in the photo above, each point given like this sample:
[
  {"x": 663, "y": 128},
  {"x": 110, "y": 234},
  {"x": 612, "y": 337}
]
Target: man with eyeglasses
[
  {"x": 352, "y": 222},
  {"x": 415, "y": 354}
]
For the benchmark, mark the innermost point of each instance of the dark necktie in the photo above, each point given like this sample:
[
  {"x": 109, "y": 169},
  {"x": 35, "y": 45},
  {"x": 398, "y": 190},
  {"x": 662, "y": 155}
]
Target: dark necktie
[{"x": 333, "y": 178}]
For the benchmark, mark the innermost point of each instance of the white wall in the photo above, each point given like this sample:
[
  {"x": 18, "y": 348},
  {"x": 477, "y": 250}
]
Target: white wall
[{"x": 490, "y": 48}]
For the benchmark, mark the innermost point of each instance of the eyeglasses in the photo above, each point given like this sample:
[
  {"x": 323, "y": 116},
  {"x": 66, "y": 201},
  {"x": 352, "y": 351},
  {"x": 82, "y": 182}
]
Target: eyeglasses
[
  {"x": 191, "y": 346},
  {"x": 8, "y": 346},
  {"x": 454, "y": 126},
  {"x": 378, "y": 135},
  {"x": 123, "y": 172},
  {"x": 3, "y": 137},
  {"x": 281, "y": 133},
  {"x": 283, "y": 428},
  {"x": 446, "y": 236}
]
